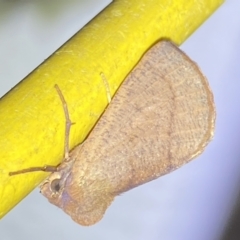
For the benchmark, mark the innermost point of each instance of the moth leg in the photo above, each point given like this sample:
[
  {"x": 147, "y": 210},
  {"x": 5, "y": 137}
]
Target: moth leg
[
  {"x": 46, "y": 168},
  {"x": 68, "y": 123},
  {"x": 107, "y": 88}
]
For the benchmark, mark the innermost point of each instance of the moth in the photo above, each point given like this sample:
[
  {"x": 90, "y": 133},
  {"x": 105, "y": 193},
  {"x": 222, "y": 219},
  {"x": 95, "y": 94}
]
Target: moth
[{"x": 162, "y": 116}]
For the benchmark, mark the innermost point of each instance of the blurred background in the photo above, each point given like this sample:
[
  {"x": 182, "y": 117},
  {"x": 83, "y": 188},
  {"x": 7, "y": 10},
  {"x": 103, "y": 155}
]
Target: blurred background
[{"x": 198, "y": 201}]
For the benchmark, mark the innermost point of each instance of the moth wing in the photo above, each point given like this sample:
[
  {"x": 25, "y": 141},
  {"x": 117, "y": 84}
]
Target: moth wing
[{"x": 161, "y": 117}]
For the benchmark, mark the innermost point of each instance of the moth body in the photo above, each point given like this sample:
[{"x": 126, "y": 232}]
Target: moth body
[{"x": 161, "y": 117}]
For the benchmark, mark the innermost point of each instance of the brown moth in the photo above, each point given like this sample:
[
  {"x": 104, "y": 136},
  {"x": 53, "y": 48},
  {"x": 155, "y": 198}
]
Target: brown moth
[{"x": 162, "y": 116}]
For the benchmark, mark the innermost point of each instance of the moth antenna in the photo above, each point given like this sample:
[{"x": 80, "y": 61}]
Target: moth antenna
[
  {"x": 68, "y": 122},
  {"x": 107, "y": 88}
]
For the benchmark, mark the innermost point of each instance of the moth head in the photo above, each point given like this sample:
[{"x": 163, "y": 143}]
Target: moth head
[
  {"x": 85, "y": 203},
  {"x": 53, "y": 187}
]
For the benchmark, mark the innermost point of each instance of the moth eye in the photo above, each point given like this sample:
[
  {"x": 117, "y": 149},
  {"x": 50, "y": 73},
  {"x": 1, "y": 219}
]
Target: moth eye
[{"x": 55, "y": 185}]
